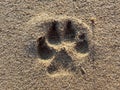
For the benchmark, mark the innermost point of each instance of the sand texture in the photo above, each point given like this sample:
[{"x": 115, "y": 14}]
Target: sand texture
[{"x": 59, "y": 44}]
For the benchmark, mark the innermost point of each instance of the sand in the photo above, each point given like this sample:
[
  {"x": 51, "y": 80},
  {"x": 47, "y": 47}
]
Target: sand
[{"x": 59, "y": 45}]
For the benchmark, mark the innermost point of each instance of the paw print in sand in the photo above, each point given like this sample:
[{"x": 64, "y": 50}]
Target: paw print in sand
[{"x": 65, "y": 42}]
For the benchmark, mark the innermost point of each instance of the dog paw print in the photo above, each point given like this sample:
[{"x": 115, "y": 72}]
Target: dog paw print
[{"x": 64, "y": 43}]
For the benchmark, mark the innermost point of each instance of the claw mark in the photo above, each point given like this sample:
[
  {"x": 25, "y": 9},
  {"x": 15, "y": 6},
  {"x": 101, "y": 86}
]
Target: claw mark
[
  {"x": 53, "y": 34},
  {"x": 69, "y": 31}
]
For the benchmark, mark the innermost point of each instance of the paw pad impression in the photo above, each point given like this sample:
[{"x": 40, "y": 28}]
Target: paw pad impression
[{"x": 64, "y": 41}]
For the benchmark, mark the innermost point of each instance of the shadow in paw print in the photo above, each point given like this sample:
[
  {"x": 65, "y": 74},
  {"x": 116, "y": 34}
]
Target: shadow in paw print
[
  {"x": 82, "y": 46},
  {"x": 53, "y": 35},
  {"x": 44, "y": 51},
  {"x": 52, "y": 69},
  {"x": 69, "y": 31},
  {"x": 82, "y": 37},
  {"x": 61, "y": 61}
]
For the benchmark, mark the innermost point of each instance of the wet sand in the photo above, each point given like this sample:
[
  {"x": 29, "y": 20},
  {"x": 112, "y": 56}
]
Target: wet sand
[{"x": 59, "y": 45}]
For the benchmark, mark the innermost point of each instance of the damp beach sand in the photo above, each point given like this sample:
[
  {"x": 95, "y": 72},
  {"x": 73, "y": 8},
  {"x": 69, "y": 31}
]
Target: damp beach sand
[{"x": 59, "y": 45}]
